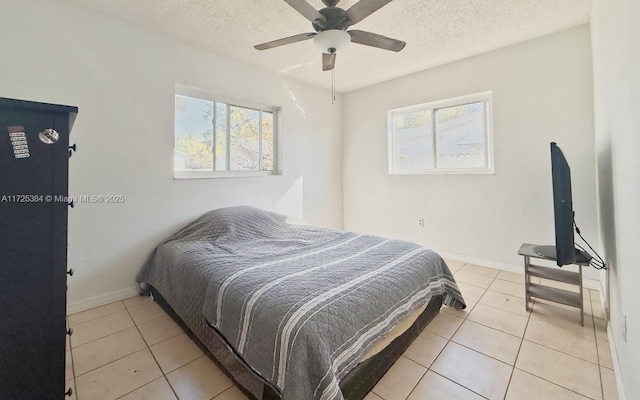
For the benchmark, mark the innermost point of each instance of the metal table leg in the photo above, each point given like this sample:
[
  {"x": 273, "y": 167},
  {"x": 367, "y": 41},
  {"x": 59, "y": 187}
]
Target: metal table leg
[
  {"x": 581, "y": 297},
  {"x": 527, "y": 281}
]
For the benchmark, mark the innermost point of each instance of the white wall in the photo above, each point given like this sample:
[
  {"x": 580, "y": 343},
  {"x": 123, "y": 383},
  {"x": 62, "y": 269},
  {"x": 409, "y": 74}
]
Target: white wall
[
  {"x": 616, "y": 58},
  {"x": 122, "y": 79},
  {"x": 542, "y": 92}
]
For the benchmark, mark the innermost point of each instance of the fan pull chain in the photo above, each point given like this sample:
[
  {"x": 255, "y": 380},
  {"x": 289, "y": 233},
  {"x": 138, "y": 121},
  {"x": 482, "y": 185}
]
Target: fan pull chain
[{"x": 333, "y": 86}]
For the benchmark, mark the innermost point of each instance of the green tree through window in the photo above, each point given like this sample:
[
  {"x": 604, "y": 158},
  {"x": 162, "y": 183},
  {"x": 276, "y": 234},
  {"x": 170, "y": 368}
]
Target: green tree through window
[{"x": 243, "y": 140}]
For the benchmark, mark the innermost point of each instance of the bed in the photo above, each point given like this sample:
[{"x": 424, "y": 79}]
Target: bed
[{"x": 297, "y": 312}]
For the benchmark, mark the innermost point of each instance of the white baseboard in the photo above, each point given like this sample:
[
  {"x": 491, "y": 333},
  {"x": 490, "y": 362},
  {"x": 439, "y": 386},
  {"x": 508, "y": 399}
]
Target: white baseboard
[
  {"x": 616, "y": 365},
  {"x": 586, "y": 282},
  {"x": 101, "y": 300}
]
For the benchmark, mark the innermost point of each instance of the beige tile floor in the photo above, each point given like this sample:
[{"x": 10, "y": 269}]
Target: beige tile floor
[{"x": 494, "y": 349}]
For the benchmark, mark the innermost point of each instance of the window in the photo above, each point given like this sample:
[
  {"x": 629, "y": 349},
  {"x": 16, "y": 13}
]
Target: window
[
  {"x": 449, "y": 136},
  {"x": 216, "y": 137}
]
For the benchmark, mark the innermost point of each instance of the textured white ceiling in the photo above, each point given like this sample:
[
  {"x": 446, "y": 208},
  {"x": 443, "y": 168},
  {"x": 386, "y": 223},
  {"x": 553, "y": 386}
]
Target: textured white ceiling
[{"x": 436, "y": 31}]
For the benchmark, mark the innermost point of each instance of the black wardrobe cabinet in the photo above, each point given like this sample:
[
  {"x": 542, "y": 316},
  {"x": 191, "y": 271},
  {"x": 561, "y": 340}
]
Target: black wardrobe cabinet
[{"x": 34, "y": 163}]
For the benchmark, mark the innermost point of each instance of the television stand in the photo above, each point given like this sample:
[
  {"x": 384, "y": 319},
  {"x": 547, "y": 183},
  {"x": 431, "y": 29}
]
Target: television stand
[
  {"x": 535, "y": 290},
  {"x": 549, "y": 253}
]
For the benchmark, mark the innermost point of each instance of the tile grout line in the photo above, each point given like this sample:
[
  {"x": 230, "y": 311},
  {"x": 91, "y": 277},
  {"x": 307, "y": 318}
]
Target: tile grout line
[
  {"x": 117, "y": 359},
  {"x": 147, "y": 347},
  {"x": 561, "y": 352},
  {"x": 130, "y": 327},
  {"x": 103, "y": 337},
  {"x": 458, "y": 384},
  {"x": 73, "y": 368},
  {"x": 470, "y": 348},
  {"x": 553, "y": 383},
  {"x": 106, "y": 315},
  {"x": 496, "y": 308},
  {"x": 99, "y": 316},
  {"x": 137, "y": 351},
  {"x": 163, "y": 340},
  {"x": 122, "y": 330},
  {"x": 115, "y": 333},
  {"x": 161, "y": 370},
  {"x": 161, "y": 377},
  {"x": 224, "y": 391},
  {"x": 544, "y": 379},
  {"x": 597, "y": 347},
  {"x": 435, "y": 358},
  {"x": 522, "y": 338},
  {"x": 190, "y": 362},
  {"x": 152, "y": 355},
  {"x": 521, "y": 342},
  {"x": 414, "y": 386},
  {"x": 488, "y": 288},
  {"x": 495, "y": 329},
  {"x": 427, "y": 369},
  {"x": 450, "y": 340},
  {"x": 514, "y": 362},
  {"x": 486, "y": 355},
  {"x": 125, "y": 308},
  {"x": 128, "y": 393}
]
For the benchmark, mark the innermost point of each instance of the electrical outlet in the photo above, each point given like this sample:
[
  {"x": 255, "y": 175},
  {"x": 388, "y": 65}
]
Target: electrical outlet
[
  {"x": 624, "y": 327},
  {"x": 421, "y": 222}
]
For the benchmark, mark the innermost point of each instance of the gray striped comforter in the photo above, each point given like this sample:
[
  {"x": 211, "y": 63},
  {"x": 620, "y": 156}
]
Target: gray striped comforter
[{"x": 302, "y": 304}]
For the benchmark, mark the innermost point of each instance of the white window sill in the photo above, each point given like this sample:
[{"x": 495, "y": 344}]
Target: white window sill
[
  {"x": 479, "y": 171},
  {"x": 180, "y": 175}
]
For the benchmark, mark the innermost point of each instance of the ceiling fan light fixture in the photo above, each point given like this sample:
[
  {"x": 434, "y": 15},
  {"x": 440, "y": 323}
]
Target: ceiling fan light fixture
[{"x": 332, "y": 40}]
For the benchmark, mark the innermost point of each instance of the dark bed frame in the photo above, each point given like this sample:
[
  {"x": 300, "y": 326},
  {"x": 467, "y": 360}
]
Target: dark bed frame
[{"x": 355, "y": 385}]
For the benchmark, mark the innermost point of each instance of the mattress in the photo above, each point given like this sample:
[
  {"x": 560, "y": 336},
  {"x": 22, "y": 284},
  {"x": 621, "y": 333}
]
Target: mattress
[{"x": 397, "y": 331}]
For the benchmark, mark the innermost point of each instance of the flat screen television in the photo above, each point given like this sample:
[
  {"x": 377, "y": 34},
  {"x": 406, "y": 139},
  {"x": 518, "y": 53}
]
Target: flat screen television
[{"x": 564, "y": 252}]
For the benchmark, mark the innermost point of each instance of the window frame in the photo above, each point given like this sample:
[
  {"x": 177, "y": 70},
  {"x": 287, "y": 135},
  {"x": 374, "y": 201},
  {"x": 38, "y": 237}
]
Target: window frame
[
  {"x": 181, "y": 90},
  {"x": 485, "y": 97}
]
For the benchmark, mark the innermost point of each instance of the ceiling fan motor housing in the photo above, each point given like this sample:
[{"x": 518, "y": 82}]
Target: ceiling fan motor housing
[{"x": 335, "y": 18}]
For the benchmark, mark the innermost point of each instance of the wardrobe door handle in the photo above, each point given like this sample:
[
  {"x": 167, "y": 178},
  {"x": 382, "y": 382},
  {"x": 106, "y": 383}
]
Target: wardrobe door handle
[
  {"x": 68, "y": 393},
  {"x": 70, "y": 331},
  {"x": 70, "y": 272}
]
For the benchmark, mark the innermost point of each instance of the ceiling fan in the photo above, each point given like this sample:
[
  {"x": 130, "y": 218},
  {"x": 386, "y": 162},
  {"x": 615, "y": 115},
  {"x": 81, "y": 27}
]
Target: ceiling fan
[{"x": 331, "y": 24}]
